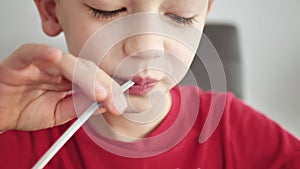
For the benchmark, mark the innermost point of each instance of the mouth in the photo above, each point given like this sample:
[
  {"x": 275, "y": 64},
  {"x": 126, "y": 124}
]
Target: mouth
[{"x": 142, "y": 86}]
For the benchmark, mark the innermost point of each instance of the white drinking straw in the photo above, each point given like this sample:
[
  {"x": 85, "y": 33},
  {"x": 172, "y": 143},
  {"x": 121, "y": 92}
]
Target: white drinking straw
[{"x": 71, "y": 130}]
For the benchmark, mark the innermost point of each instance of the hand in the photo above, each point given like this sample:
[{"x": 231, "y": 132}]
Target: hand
[{"x": 35, "y": 85}]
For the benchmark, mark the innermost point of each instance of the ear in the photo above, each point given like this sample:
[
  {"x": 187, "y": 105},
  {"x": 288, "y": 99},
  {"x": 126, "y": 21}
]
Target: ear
[{"x": 47, "y": 11}]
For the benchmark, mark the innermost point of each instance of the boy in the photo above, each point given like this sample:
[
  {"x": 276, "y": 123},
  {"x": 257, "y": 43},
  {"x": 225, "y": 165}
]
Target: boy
[{"x": 38, "y": 97}]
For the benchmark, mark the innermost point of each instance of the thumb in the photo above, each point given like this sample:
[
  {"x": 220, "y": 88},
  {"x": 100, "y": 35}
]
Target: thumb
[{"x": 66, "y": 109}]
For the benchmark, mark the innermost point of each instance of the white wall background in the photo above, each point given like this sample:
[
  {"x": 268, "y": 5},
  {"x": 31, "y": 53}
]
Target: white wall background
[
  {"x": 270, "y": 41},
  {"x": 20, "y": 23}
]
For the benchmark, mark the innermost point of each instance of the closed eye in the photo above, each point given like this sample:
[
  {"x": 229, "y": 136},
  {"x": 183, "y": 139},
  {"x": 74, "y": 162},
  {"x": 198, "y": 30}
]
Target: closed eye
[
  {"x": 110, "y": 15},
  {"x": 181, "y": 20},
  {"x": 106, "y": 15}
]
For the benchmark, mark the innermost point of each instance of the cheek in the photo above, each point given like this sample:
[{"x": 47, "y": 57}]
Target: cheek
[
  {"x": 180, "y": 51},
  {"x": 76, "y": 38},
  {"x": 78, "y": 27},
  {"x": 112, "y": 60}
]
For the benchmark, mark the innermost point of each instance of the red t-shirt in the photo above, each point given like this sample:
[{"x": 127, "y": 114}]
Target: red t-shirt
[{"x": 238, "y": 137}]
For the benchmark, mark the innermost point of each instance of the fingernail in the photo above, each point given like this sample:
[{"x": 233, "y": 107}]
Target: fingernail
[{"x": 102, "y": 110}]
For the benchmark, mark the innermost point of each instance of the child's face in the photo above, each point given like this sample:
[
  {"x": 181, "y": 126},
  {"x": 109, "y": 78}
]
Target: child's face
[{"x": 79, "y": 19}]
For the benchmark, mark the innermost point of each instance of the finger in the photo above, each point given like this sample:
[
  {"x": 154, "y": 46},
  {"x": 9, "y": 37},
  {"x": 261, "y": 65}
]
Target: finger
[
  {"x": 66, "y": 109},
  {"x": 55, "y": 87},
  {"x": 46, "y": 73},
  {"x": 83, "y": 73},
  {"x": 29, "y": 53},
  {"x": 20, "y": 68},
  {"x": 116, "y": 102},
  {"x": 94, "y": 82}
]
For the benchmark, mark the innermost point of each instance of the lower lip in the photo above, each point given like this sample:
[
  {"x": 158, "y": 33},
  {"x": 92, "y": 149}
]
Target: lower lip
[{"x": 142, "y": 89}]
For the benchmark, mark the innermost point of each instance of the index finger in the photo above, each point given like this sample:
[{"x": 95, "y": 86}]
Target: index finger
[
  {"x": 29, "y": 53},
  {"x": 86, "y": 75}
]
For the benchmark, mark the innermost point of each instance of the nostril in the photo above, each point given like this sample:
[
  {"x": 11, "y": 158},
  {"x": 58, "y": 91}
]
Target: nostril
[{"x": 148, "y": 54}]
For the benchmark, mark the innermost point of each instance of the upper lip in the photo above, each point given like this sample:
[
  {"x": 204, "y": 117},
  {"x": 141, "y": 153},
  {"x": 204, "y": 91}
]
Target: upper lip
[{"x": 138, "y": 80}]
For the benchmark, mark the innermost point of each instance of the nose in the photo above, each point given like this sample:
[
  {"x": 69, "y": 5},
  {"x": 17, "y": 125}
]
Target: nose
[{"x": 153, "y": 44}]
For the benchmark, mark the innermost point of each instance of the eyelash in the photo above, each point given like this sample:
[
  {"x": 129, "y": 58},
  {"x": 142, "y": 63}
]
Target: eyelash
[
  {"x": 106, "y": 15},
  {"x": 182, "y": 20},
  {"x": 109, "y": 15}
]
